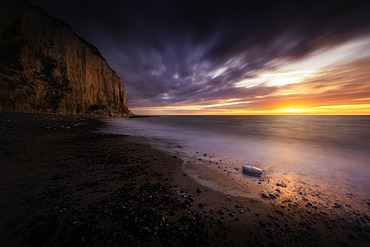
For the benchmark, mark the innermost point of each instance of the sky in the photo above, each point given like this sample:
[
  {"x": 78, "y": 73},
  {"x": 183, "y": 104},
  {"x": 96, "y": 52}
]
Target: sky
[{"x": 231, "y": 57}]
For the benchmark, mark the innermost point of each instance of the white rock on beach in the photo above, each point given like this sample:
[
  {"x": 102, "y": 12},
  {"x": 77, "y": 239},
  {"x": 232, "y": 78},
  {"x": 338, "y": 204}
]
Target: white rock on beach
[{"x": 252, "y": 170}]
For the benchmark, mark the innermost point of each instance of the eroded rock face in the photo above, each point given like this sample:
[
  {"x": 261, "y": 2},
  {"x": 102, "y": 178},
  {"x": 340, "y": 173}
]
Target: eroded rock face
[{"x": 45, "y": 67}]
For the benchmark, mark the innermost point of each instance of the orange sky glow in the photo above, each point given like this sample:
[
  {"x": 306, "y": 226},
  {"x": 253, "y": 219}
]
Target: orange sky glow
[{"x": 334, "y": 81}]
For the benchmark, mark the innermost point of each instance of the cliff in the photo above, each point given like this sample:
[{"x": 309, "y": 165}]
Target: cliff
[{"x": 46, "y": 67}]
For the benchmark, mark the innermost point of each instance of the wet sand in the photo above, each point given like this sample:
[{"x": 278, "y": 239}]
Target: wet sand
[{"x": 63, "y": 183}]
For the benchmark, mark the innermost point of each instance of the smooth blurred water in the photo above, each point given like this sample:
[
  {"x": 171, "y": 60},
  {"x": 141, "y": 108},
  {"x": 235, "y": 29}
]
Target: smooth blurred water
[{"x": 323, "y": 148}]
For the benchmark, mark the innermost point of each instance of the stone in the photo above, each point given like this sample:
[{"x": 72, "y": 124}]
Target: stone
[
  {"x": 279, "y": 212},
  {"x": 272, "y": 196},
  {"x": 281, "y": 185},
  {"x": 146, "y": 229},
  {"x": 264, "y": 196},
  {"x": 252, "y": 171}
]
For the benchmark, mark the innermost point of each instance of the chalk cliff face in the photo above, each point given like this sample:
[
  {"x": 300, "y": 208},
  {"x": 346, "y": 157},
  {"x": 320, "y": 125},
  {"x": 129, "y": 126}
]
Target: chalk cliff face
[{"x": 45, "y": 67}]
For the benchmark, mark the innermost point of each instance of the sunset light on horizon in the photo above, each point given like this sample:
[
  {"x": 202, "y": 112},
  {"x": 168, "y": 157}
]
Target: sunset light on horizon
[{"x": 334, "y": 81}]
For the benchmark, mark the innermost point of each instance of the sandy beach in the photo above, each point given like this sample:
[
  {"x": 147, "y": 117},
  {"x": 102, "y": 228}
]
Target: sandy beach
[{"x": 62, "y": 183}]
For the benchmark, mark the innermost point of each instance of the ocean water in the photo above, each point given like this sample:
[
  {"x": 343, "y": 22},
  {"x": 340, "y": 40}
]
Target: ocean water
[{"x": 332, "y": 151}]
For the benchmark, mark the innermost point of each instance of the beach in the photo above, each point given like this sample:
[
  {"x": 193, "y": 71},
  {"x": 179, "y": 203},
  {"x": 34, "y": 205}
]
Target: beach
[{"x": 63, "y": 182}]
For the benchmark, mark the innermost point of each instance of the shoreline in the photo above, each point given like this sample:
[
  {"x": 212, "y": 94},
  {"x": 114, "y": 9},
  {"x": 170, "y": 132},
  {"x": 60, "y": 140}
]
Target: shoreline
[
  {"x": 222, "y": 172},
  {"x": 71, "y": 185}
]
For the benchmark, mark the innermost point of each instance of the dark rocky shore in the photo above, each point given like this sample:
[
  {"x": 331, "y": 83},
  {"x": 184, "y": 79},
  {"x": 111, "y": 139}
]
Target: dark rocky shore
[{"x": 63, "y": 184}]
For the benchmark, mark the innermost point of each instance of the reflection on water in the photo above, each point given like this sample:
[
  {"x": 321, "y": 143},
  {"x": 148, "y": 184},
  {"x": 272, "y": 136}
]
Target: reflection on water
[{"x": 327, "y": 151}]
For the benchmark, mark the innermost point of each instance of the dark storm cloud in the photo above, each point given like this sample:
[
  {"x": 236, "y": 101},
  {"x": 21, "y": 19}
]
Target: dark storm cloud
[{"x": 177, "y": 52}]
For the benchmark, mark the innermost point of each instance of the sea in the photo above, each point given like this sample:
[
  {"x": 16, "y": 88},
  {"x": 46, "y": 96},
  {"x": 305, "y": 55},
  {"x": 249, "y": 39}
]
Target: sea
[{"x": 332, "y": 151}]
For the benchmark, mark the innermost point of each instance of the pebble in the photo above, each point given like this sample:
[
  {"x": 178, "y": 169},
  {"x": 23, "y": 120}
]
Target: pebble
[
  {"x": 264, "y": 196},
  {"x": 146, "y": 229},
  {"x": 270, "y": 196},
  {"x": 279, "y": 212},
  {"x": 281, "y": 185},
  {"x": 252, "y": 171}
]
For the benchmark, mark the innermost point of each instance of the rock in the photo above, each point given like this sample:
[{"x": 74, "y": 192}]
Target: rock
[
  {"x": 199, "y": 191},
  {"x": 272, "y": 196},
  {"x": 264, "y": 196},
  {"x": 281, "y": 185},
  {"x": 146, "y": 229},
  {"x": 279, "y": 212},
  {"x": 252, "y": 171},
  {"x": 337, "y": 205}
]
